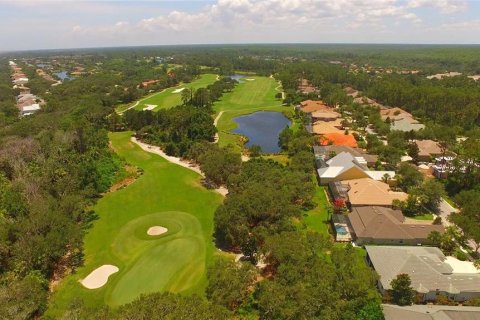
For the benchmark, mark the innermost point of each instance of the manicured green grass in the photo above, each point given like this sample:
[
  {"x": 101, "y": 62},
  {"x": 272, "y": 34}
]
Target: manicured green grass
[
  {"x": 167, "y": 195},
  {"x": 247, "y": 97},
  {"x": 426, "y": 216},
  {"x": 280, "y": 158},
  {"x": 167, "y": 99},
  {"x": 317, "y": 219}
]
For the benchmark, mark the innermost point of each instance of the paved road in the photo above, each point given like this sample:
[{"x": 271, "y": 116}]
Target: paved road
[{"x": 445, "y": 210}]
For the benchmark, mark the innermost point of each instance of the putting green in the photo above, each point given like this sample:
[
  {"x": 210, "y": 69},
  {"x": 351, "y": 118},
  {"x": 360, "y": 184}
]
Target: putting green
[
  {"x": 159, "y": 267},
  {"x": 165, "y": 195}
]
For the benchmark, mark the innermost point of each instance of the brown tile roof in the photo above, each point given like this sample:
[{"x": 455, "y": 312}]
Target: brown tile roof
[
  {"x": 309, "y": 106},
  {"x": 369, "y": 192},
  {"x": 428, "y": 148},
  {"x": 385, "y": 223},
  {"x": 395, "y": 114}
]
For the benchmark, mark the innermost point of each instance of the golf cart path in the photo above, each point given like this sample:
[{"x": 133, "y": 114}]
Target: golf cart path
[
  {"x": 215, "y": 122},
  {"x": 175, "y": 160}
]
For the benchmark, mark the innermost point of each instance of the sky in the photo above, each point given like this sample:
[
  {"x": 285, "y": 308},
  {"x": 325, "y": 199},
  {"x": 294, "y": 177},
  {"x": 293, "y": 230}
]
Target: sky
[{"x": 56, "y": 24}]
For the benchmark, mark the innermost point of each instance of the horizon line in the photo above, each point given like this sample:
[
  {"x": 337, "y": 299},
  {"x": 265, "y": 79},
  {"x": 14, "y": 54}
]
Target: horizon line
[{"x": 241, "y": 44}]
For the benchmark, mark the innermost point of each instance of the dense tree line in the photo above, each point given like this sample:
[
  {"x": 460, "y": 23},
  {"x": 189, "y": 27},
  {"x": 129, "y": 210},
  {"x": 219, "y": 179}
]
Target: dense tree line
[
  {"x": 53, "y": 166},
  {"x": 8, "y": 109}
]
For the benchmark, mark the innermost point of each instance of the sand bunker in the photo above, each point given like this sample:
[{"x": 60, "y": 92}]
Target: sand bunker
[
  {"x": 99, "y": 277},
  {"x": 178, "y": 90},
  {"x": 150, "y": 107},
  {"x": 249, "y": 79},
  {"x": 156, "y": 230}
]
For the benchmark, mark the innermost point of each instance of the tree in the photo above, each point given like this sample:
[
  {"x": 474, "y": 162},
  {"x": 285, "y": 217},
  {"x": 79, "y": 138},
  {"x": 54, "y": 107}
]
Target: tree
[
  {"x": 23, "y": 299},
  {"x": 187, "y": 96},
  {"x": 255, "y": 150},
  {"x": 371, "y": 311},
  {"x": 402, "y": 291},
  {"x": 468, "y": 218},
  {"x": 229, "y": 282},
  {"x": 412, "y": 151},
  {"x": 167, "y": 306},
  {"x": 432, "y": 192},
  {"x": 408, "y": 177}
]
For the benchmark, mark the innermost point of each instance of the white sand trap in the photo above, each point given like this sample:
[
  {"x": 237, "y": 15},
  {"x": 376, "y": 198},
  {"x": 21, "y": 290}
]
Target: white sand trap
[
  {"x": 156, "y": 230},
  {"x": 150, "y": 107},
  {"x": 249, "y": 79},
  {"x": 99, "y": 277},
  {"x": 178, "y": 90}
]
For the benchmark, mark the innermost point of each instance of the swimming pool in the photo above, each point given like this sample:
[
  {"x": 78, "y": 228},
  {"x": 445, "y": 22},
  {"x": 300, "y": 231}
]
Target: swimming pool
[{"x": 341, "y": 230}]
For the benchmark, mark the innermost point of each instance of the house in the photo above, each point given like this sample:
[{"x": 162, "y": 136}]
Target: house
[
  {"x": 325, "y": 115},
  {"x": 337, "y": 138},
  {"x": 431, "y": 272},
  {"x": 309, "y": 106},
  {"x": 407, "y": 125},
  {"x": 394, "y": 114},
  {"x": 305, "y": 87},
  {"x": 442, "y": 166},
  {"x": 430, "y": 312},
  {"x": 327, "y": 127},
  {"x": 147, "y": 83},
  {"x": 384, "y": 226},
  {"x": 330, "y": 151},
  {"x": 401, "y": 120},
  {"x": 428, "y": 149},
  {"x": 345, "y": 166},
  {"x": 30, "y": 109},
  {"x": 369, "y": 192}
]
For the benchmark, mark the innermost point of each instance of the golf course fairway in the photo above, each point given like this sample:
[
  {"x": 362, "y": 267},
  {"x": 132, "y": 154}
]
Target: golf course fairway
[
  {"x": 171, "y": 97},
  {"x": 166, "y": 195}
]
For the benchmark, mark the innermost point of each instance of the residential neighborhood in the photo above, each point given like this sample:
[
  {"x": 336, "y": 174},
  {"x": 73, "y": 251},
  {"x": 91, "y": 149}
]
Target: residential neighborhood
[{"x": 27, "y": 103}]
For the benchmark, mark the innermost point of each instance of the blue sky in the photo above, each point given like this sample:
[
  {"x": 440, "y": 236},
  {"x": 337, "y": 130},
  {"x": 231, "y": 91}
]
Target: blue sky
[{"x": 46, "y": 24}]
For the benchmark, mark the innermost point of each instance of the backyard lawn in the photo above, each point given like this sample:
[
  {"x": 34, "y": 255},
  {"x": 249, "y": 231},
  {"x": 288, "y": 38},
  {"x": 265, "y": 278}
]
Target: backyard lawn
[
  {"x": 317, "y": 219},
  {"x": 248, "y": 96},
  {"x": 170, "y": 97},
  {"x": 165, "y": 195}
]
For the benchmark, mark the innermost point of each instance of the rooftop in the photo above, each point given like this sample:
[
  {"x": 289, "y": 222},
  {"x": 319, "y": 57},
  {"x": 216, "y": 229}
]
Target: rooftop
[
  {"x": 369, "y": 192},
  {"x": 385, "y": 223},
  {"x": 309, "y": 106},
  {"x": 428, "y": 148},
  {"x": 427, "y": 267},
  {"x": 340, "y": 139},
  {"x": 430, "y": 312}
]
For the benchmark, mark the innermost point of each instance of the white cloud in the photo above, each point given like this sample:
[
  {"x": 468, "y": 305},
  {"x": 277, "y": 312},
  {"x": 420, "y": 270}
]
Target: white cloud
[
  {"x": 445, "y": 6},
  {"x": 271, "y": 13}
]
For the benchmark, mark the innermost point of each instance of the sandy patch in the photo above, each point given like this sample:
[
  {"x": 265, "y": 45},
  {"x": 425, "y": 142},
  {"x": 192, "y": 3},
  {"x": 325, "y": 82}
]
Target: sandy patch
[
  {"x": 156, "y": 230},
  {"x": 249, "y": 79},
  {"x": 178, "y": 90},
  {"x": 99, "y": 277},
  {"x": 150, "y": 107}
]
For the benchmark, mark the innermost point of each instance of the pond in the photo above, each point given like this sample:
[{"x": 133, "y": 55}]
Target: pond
[
  {"x": 63, "y": 75},
  {"x": 262, "y": 128}
]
